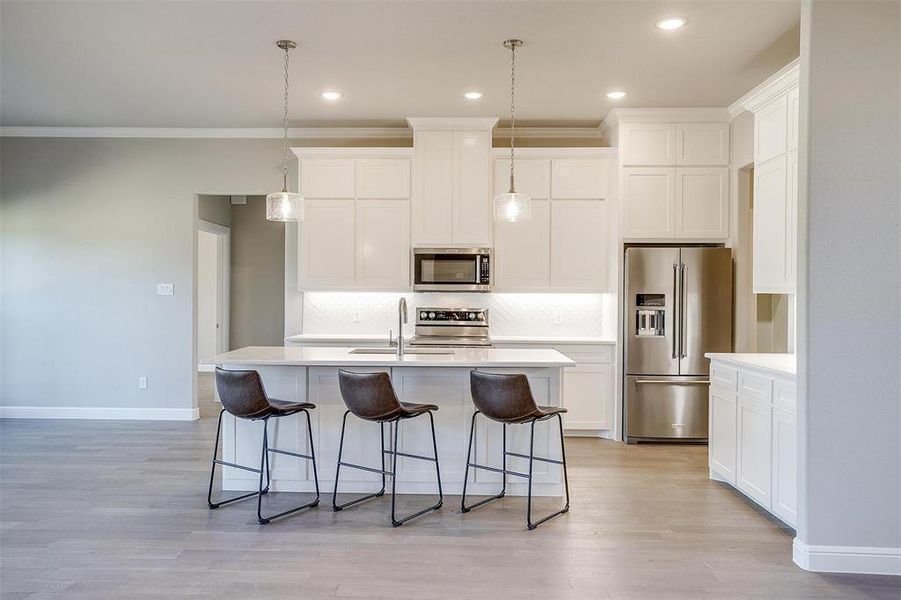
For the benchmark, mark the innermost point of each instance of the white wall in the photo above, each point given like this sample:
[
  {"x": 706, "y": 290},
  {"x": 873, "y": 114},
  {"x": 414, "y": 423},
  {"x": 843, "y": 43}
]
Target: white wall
[
  {"x": 207, "y": 294},
  {"x": 849, "y": 286}
]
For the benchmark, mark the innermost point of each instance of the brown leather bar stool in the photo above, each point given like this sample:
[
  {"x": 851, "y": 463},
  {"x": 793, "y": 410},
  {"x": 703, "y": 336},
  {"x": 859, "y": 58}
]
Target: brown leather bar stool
[
  {"x": 243, "y": 396},
  {"x": 371, "y": 397},
  {"x": 508, "y": 400}
]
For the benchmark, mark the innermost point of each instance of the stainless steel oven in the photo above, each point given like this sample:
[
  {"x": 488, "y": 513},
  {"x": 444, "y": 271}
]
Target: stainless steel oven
[{"x": 452, "y": 269}]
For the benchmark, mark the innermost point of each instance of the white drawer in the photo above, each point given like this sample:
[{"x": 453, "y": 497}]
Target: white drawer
[
  {"x": 755, "y": 386},
  {"x": 785, "y": 396},
  {"x": 723, "y": 376}
]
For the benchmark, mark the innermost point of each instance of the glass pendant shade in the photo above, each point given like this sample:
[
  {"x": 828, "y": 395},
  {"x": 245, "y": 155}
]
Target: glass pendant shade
[
  {"x": 284, "y": 206},
  {"x": 512, "y": 207}
]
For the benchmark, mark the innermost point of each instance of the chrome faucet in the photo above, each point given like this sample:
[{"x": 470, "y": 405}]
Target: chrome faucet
[{"x": 401, "y": 319}]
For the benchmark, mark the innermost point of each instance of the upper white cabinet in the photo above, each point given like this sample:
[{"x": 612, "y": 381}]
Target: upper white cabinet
[
  {"x": 775, "y": 104},
  {"x": 356, "y": 229},
  {"x": 647, "y": 144},
  {"x": 452, "y": 182},
  {"x": 567, "y": 244},
  {"x": 674, "y": 173},
  {"x": 702, "y": 144}
]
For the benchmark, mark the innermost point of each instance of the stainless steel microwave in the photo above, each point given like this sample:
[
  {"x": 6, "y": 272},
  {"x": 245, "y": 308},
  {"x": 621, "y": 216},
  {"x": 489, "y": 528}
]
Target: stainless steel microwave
[{"x": 452, "y": 269}]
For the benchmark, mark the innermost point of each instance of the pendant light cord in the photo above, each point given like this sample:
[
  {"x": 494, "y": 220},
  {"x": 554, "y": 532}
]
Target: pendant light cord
[
  {"x": 512, "y": 118},
  {"x": 285, "y": 131}
]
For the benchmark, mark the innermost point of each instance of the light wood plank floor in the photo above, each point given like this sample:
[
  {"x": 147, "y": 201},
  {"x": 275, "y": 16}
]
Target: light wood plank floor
[{"x": 113, "y": 510}]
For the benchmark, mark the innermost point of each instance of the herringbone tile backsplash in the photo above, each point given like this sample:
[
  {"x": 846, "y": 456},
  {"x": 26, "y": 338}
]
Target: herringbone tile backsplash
[{"x": 578, "y": 315}]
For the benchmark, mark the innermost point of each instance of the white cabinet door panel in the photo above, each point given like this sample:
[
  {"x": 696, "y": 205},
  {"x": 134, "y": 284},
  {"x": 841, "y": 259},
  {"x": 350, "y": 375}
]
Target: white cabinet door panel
[
  {"x": 522, "y": 252},
  {"x": 327, "y": 245},
  {"x": 650, "y": 144},
  {"x": 785, "y": 466},
  {"x": 794, "y": 108},
  {"x": 580, "y": 245},
  {"x": 649, "y": 202},
  {"x": 770, "y": 246},
  {"x": 702, "y": 144},
  {"x": 753, "y": 473},
  {"x": 723, "y": 419},
  {"x": 533, "y": 176},
  {"x": 433, "y": 187},
  {"x": 383, "y": 244},
  {"x": 770, "y": 130},
  {"x": 587, "y": 396},
  {"x": 472, "y": 188},
  {"x": 383, "y": 178},
  {"x": 580, "y": 178},
  {"x": 702, "y": 202},
  {"x": 791, "y": 222},
  {"x": 327, "y": 178}
]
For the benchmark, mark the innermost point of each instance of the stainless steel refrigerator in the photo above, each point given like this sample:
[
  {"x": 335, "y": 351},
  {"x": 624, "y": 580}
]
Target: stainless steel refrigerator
[{"x": 678, "y": 306}]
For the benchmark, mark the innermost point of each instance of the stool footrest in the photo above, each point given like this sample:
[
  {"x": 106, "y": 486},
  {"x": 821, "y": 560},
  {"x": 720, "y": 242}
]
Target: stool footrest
[
  {"x": 294, "y": 454},
  {"x": 538, "y": 458},
  {"x": 410, "y": 455},
  {"x": 362, "y": 468},
  {"x": 496, "y": 470},
  {"x": 237, "y": 466}
]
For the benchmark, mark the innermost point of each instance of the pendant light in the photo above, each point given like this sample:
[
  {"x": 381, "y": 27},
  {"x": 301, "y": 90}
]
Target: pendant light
[
  {"x": 512, "y": 206},
  {"x": 284, "y": 205}
]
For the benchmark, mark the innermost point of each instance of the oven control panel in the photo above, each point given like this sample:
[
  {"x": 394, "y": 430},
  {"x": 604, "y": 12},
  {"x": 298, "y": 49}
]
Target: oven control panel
[{"x": 452, "y": 316}]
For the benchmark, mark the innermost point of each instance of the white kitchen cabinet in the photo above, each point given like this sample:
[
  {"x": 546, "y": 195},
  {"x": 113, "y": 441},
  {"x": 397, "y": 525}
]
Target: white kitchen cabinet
[
  {"x": 649, "y": 202},
  {"x": 580, "y": 245},
  {"x": 754, "y": 456},
  {"x": 784, "y": 487},
  {"x": 702, "y": 144},
  {"x": 327, "y": 178},
  {"x": 533, "y": 176},
  {"x": 702, "y": 202},
  {"x": 382, "y": 244},
  {"x": 771, "y": 130},
  {"x": 647, "y": 144},
  {"x": 794, "y": 110},
  {"x": 722, "y": 434},
  {"x": 356, "y": 231},
  {"x": 773, "y": 220},
  {"x": 580, "y": 178},
  {"x": 452, "y": 182},
  {"x": 753, "y": 436},
  {"x": 522, "y": 258},
  {"x": 791, "y": 221},
  {"x": 327, "y": 245},
  {"x": 472, "y": 200}
]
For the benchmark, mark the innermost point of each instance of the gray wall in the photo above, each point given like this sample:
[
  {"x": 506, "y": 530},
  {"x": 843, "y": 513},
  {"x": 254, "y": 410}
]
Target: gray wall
[
  {"x": 257, "y": 301},
  {"x": 849, "y": 284},
  {"x": 215, "y": 209},
  {"x": 87, "y": 229}
]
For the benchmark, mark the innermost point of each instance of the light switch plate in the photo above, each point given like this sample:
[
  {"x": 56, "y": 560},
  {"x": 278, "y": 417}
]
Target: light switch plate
[
  {"x": 165, "y": 289},
  {"x": 142, "y": 383}
]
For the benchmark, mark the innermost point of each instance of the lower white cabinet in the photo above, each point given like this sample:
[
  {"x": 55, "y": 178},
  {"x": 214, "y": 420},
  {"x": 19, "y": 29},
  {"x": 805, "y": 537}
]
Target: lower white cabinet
[{"x": 753, "y": 436}]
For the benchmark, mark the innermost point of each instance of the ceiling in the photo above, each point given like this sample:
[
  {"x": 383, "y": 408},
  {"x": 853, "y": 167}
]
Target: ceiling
[{"x": 215, "y": 64}]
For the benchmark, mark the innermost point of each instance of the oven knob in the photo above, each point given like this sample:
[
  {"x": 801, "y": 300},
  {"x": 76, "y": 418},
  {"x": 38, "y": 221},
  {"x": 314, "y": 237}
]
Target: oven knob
[
  {"x": 423, "y": 315},
  {"x": 472, "y": 316},
  {"x": 431, "y": 315}
]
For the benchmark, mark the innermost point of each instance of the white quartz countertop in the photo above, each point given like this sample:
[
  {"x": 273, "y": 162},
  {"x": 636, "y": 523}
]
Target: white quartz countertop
[
  {"x": 781, "y": 364},
  {"x": 497, "y": 339},
  {"x": 305, "y": 356}
]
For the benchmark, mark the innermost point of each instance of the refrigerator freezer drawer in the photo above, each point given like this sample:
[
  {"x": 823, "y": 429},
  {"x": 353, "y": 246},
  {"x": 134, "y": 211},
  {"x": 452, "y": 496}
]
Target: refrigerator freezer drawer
[{"x": 666, "y": 408}]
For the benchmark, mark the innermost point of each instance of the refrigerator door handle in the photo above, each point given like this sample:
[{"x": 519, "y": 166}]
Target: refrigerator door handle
[
  {"x": 670, "y": 382},
  {"x": 675, "y": 309},
  {"x": 682, "y": 353}
]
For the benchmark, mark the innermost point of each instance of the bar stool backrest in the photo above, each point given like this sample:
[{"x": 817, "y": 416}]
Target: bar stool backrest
[
  {"x": 502, "y": 397},
  {"x": 242, "y": 393},
  {"x": 368, "y": 395}
]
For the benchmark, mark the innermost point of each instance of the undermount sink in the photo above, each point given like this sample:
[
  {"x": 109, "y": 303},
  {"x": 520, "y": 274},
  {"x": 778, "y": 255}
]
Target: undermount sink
[{"x": 444, "y": 351}]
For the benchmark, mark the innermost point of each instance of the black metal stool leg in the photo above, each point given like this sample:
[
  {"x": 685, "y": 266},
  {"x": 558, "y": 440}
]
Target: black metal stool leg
[
  {"x": 394, "y": 520},
  {"x": 532, "y": 525},
  {"x": 215, "y": 461},
  {"x": 335, "y": 506},
  {"x": 265, "y": 460},
  {"x": 469, "y": 463},
  {"x": 313, "y": 455}
]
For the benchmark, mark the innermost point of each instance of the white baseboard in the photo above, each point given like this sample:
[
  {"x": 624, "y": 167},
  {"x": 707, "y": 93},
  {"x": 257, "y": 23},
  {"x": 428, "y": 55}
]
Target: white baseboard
[
  {"x": 847, "y": 559},
  {"x": 206, "y": 368},
  {"x": 99, "y": 412}
]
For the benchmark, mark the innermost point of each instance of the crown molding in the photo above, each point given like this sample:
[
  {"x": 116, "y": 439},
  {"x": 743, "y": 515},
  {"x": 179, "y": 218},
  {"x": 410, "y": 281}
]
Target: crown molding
[
  {"x": 593, "y": 152},
  {"x": 210, "y": 133},
  {"x": 550, "y": 132},
  {"x": 778, "y": 83},
  {"x": 664, "y": 115},
  {"x": 450, "y": 123}
]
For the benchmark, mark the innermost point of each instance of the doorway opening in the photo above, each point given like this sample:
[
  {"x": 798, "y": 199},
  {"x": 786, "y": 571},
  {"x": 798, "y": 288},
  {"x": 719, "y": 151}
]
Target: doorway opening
[{"x": 213, "y": 286}]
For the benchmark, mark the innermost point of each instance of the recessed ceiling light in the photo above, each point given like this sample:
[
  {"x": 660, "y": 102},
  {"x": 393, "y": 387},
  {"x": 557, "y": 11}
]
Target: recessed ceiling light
[
  {"x": 472, "y": 95},
  {"x": 616, "y": 95},
  {"x": 331, "y": 95},
  {"x": 671, "y": 23}
]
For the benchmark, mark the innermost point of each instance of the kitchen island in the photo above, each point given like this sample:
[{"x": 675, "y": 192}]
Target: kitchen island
[{"x": 434, "y": 376}]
